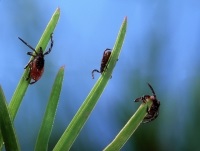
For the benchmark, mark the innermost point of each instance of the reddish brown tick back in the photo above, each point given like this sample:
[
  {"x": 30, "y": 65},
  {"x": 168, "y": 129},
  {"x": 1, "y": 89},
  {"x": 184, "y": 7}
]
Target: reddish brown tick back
[
  {"x": 36, "y": 65},
  {"x": 153, "y": 111},
  {"x": 105, "y": 58}
]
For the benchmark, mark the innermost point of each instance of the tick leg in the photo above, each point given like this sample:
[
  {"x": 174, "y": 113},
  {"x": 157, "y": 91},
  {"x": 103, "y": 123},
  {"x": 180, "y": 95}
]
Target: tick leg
[
  {"x": 31, "y": 54},
  {"x": 138, "y": 99},
  {"x": 33, "y": 82},
  {"x": 154, "y": 94},
  {"x": 142, "y": 98},
  {"x": 95, "y": 70},
  {"x": 29, "y": 64},
  {"x": 146, "y": 120},
  {"x": 51, "y": 46},
  {"x": 28, "y": 76},
  {"x": 27, "y": 44}
]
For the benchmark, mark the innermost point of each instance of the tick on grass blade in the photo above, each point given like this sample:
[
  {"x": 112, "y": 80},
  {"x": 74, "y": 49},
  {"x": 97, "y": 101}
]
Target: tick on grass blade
[
  {"x": 36, "y": 65},
  {"x": 105, "y": 58},
  {"x": 153, "y": 111}
]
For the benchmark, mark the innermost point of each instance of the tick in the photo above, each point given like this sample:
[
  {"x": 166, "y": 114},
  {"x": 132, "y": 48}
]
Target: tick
[
  {"x": 105, "y": 58},
  {"x": 153, "y": 111},
  {"x": 36, "y": 65}
]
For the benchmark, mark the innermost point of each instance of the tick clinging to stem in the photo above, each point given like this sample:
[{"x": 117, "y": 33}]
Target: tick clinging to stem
[
  {"x": 105, "y": 58},
  {"x": 153, "y": 111},
  {"x": 36, "y": 65}
]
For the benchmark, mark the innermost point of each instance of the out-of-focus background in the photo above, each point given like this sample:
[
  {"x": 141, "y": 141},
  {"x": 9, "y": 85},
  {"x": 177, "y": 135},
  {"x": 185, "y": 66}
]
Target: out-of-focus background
[{"x": 162, "y": 47}]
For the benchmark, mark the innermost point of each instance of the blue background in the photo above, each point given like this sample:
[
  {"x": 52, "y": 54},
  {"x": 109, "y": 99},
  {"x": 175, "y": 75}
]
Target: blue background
[{"x": 161, "y": 47}]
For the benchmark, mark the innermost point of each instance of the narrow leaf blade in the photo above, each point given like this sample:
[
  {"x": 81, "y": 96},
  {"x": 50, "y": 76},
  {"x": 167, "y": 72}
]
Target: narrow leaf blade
[
  {"x": 88, "y": 105},
  {"x": 48, "y": 120},
  {"x": 6, "y": 125},
  {"x": 130, "y": 127},
  {"x": 23, "y": 84}
]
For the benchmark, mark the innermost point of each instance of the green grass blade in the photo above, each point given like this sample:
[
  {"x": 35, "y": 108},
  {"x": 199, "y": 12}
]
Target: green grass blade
[
  {"x": 1, "y": 140},
  {"x": 129, "y": 128},
  {"x": 88, "y": 105},
  {"x": 48, "y": 120},
  {"x": 6, "y": 125},
  {"x": 23, "y": 84}
]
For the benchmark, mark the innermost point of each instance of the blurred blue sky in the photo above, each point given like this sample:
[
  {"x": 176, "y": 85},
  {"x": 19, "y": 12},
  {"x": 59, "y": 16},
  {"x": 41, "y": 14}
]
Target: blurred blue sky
[{"x": 161, "y": 47}]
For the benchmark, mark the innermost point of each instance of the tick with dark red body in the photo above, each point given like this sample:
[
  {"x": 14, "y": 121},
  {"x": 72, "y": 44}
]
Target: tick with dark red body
[
  {"x": 153, "y": 111},
  {"x": 36, "y": 65},
  {"x": 105, "y": 58}
]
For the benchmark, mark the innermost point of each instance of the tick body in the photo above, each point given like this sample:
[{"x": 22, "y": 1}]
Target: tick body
[
  {"x": 153, "y": 111},
  {"x": 105, "y": 58},
  {"x": 36, "y": 65}
]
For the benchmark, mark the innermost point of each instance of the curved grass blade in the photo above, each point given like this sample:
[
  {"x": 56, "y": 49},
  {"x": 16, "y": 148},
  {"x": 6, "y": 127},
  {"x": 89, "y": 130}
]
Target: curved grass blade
[
  {"x": 1, "y": 140},
  {"x": 6, "y": 125},
  {"x": 48, "y": 120},
  {"x": 77, "y": 123},
  {"x": 23, "y": 84},
  {"x": 130, "y": 127}
]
